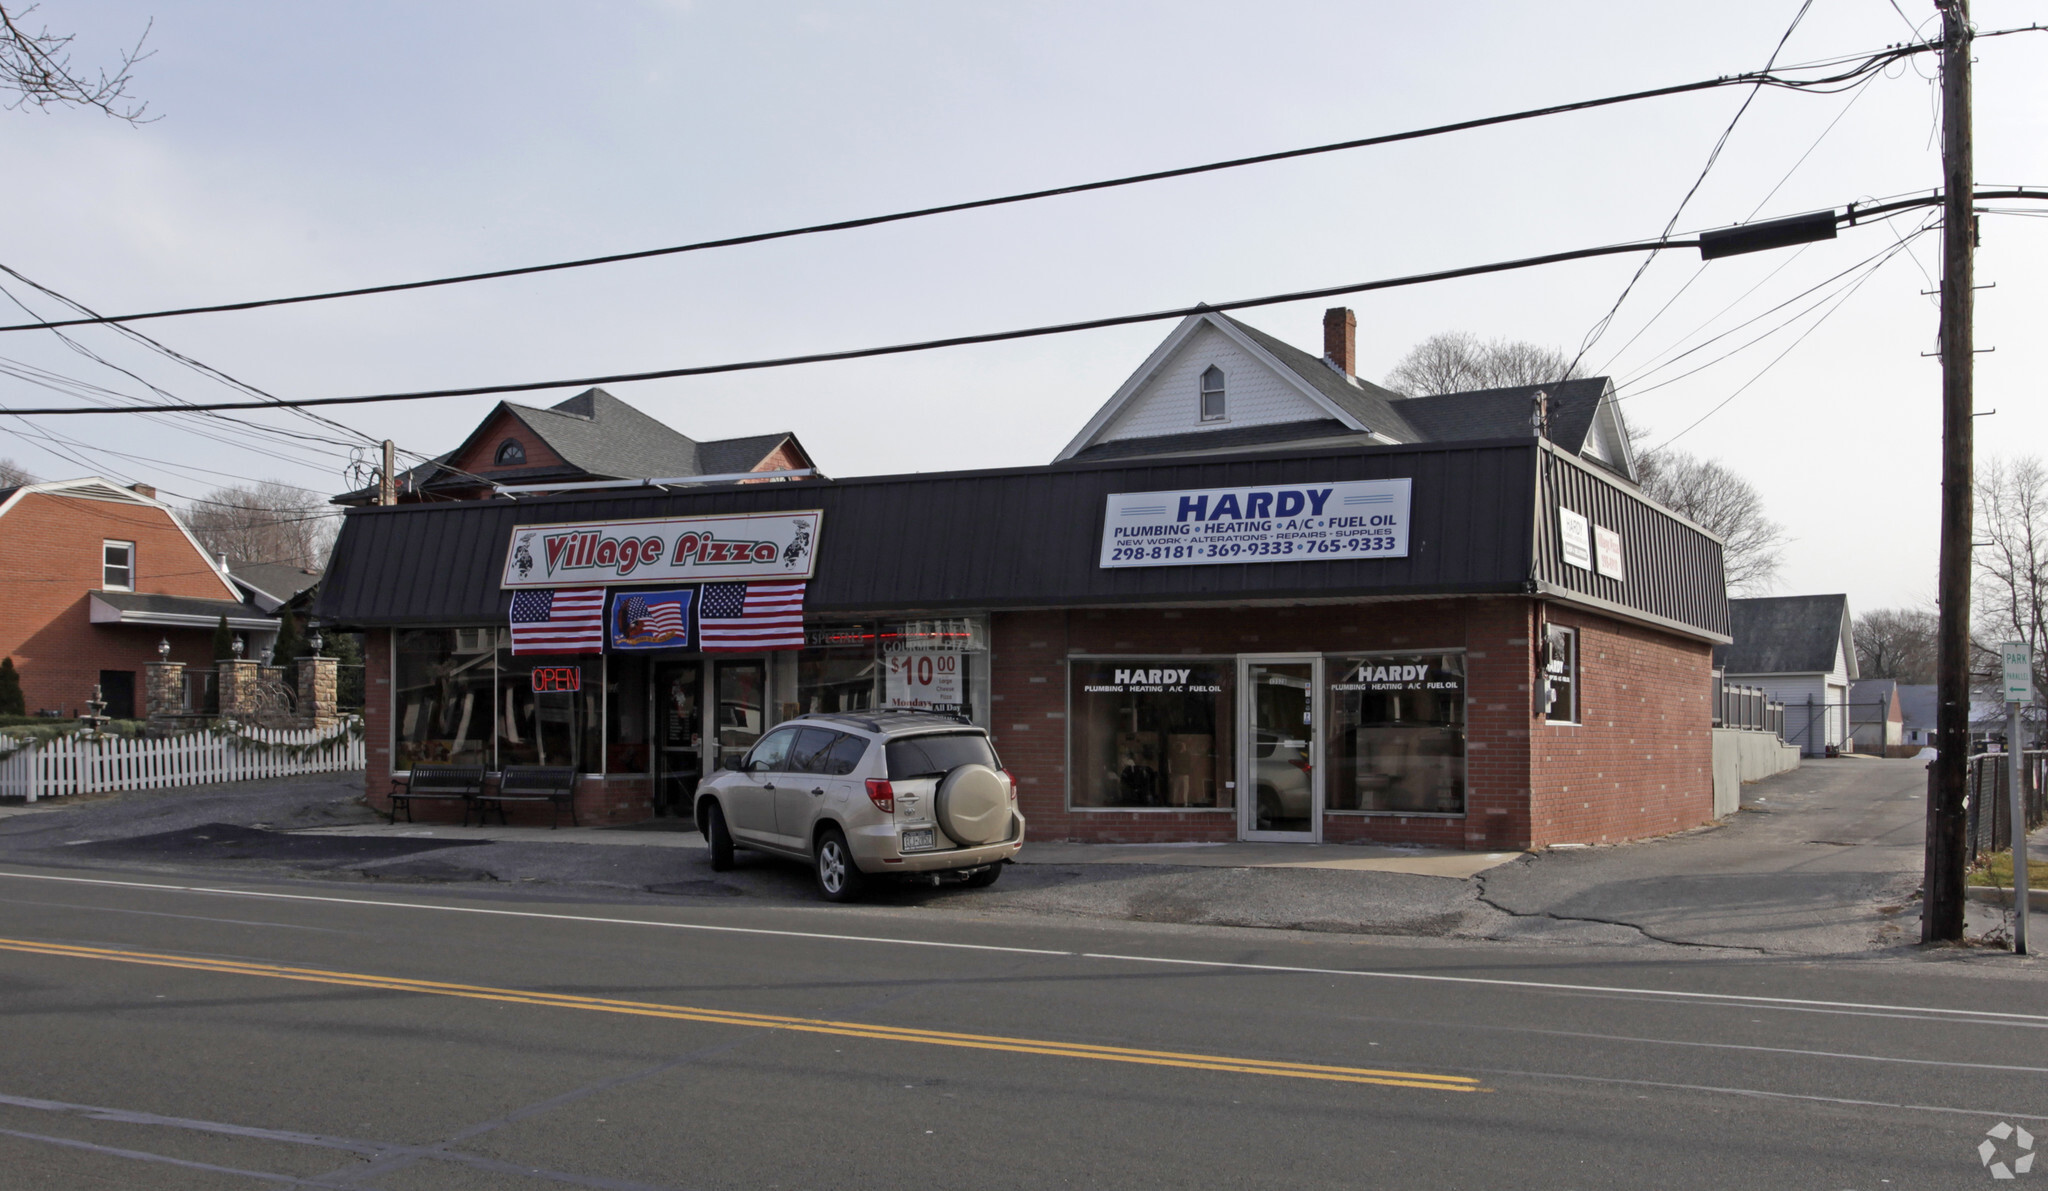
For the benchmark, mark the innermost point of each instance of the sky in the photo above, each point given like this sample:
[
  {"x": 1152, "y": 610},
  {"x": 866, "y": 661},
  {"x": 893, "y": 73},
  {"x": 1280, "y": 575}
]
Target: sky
[{"x": 313, "y": 147}]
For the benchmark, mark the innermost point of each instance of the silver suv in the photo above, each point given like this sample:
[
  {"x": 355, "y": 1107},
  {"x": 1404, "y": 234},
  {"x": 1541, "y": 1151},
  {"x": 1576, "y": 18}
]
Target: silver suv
[{"x": 867, "y": 794}]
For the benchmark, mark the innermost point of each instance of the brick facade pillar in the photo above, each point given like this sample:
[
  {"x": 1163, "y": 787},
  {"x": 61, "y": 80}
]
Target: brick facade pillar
[
  {"x": 164, "y": 691},
  {"x": 319, "y": 684},
  {"x": 239, "y": 681}
]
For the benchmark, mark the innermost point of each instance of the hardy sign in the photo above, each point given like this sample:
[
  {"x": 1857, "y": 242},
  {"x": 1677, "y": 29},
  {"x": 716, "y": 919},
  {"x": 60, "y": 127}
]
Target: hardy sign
[
  {"x": 683, "y": 549},
  {"x": 1273, "y": 523}
]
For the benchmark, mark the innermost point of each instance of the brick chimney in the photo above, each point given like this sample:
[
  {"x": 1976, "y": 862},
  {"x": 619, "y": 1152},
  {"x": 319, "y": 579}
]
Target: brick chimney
[
  {"x": 1340, "y": 339},
  {"x": 143, "y": 490}
]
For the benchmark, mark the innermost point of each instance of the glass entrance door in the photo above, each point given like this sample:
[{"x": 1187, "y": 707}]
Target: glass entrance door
[
  {"x": 678, "y": 735},
  {"x": 1281, "y": 790}
]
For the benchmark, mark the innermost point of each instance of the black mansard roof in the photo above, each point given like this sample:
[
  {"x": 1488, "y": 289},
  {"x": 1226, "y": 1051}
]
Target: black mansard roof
[{"x": 1030, "y": 538}]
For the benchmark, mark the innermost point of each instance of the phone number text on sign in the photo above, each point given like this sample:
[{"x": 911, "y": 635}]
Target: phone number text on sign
[{"x": 1278, "y": 523}]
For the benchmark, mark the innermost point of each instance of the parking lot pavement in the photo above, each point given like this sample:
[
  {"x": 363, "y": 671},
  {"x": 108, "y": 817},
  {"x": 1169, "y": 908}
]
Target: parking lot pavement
[{"x": 1824, "y": 860}]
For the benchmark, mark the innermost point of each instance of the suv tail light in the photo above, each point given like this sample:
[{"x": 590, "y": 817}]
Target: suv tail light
[
  {"x": 883, "y": 795},
  {"x": 1303, "y": 764},
  {"x": 1010, "y": 778}
]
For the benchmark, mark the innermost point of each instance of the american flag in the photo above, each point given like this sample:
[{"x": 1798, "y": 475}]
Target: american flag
[
  {"x": 751, "y": 616},
  {"x": 646, "y": 620},
  {"x": 558, "y": 620}
]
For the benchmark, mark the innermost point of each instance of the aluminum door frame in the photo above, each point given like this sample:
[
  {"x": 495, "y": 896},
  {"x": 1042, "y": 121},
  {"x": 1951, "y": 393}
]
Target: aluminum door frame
[{"x": 1247, "y": 749}]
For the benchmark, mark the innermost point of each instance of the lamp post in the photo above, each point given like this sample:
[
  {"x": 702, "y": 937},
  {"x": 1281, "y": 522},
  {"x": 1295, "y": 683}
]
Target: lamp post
[{"x": 163, "y": 649}]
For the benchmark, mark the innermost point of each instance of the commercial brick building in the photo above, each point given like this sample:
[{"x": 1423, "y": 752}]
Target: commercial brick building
[{"x": 1255, "y": 598}]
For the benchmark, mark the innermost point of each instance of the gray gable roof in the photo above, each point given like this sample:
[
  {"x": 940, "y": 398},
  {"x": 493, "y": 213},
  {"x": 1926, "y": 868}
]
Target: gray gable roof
[
  {"x": 599, "y": 437},
  {"x": 1229, "y": 438},
  {"x": 1917, "y": 702},
  {"x": 1370, "y": 404},
  {"x": 1504, "y": 413},
  {"x": 1783, "y": 634},
  {"x": 279, "y": 581},
  {"x": 1480, "y": 415}
]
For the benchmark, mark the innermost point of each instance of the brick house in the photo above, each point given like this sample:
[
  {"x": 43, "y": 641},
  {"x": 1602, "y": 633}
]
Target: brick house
[
  {"x": 97, "y": 577},
  {"x": 592, "y": 438}
]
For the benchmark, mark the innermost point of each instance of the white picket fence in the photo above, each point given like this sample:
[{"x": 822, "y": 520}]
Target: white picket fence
[{"x": 77, "y": 765}]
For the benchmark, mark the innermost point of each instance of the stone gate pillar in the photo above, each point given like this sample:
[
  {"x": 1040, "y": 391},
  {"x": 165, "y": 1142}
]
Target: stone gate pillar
[
  {"x": 164, "y": 692},
  {"x": 319, "y": 685},
  {"x": 239, "y": 681}
]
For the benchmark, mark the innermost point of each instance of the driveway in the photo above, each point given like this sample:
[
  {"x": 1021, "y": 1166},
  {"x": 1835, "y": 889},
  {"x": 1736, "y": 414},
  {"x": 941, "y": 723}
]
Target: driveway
[{"x": 1824, "y": 859}]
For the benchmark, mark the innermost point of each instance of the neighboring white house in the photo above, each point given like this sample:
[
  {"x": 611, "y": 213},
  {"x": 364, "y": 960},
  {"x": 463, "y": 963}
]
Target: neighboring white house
[
  {"x": 1218, "y": 386},
  {"x": 1802, "y": 651}
]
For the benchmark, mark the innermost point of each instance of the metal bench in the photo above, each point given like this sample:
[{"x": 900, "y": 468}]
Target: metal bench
[
  {"x": 554, "y": 784},
  {"x": 459, "y": 783}
]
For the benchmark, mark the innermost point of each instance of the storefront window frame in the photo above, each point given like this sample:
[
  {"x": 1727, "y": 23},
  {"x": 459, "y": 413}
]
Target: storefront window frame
[
  {"x": 1329, "y": 712},
  {"x": 498, "y": 644},
  {"x": 1067, "y": 749}
]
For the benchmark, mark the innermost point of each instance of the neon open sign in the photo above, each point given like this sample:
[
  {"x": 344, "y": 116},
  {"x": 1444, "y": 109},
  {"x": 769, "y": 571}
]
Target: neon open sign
[{"x": 557, "y": 678}]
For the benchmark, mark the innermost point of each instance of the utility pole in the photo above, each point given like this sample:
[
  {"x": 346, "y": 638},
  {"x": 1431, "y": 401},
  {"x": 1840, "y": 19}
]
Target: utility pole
[
  {"x": 1941, "y": 916},
  {"x": 387, "y": 485}
]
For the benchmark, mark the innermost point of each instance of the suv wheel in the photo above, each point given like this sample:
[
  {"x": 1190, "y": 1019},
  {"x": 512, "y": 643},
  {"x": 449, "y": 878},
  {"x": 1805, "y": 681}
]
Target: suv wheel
[
  {"x": 720, "y": 839},
  {"x": 838, "y": 879}
]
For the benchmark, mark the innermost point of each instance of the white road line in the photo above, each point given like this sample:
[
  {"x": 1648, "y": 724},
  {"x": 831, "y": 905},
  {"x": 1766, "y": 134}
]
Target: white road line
[
  {"x": 1761, "y": 1094},
  {"x": 1980, "y": 1016},
  {"x": 1738, "y": 998}
]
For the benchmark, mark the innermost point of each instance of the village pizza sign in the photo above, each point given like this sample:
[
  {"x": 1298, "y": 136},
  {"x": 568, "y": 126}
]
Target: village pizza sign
[{"x": 781, "y": 545}]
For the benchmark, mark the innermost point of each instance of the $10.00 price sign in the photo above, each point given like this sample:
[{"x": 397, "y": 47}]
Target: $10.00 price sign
[{"x": 926, "y": 680}]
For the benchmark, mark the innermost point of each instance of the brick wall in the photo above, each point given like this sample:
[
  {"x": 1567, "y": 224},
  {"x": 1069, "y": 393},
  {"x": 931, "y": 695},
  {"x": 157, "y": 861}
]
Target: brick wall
[
  {"x": 1641, "y": 767},
  {"x": 54, "y": 546},
  {"x": 1640, "y": 763}
]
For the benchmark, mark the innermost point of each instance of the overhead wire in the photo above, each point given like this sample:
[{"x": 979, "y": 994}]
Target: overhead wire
[
  {"x": 1847, "y": 293},
  {"x": 1599, "y": 328},
  {"x": 1858, "y": 67}
]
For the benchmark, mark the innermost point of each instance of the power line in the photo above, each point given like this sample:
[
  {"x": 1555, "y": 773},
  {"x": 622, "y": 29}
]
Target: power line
[
  {"x": 1860, "y": 67},
  {"x": 1598, "y": 329},
  {"x": 1851, "y": 217}
]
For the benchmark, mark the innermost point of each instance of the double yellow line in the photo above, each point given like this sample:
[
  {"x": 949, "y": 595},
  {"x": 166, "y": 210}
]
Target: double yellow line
[{"x": 766, "y": 1021}]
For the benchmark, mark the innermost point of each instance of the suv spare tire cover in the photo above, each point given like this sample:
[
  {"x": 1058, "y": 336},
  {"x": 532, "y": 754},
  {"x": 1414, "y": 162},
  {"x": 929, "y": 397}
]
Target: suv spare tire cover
[{"x": 974, "y": 805}]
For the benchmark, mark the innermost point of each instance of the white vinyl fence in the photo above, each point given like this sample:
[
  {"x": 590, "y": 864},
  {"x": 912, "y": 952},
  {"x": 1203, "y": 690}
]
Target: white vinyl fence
[{"x": 80, "y": 765}]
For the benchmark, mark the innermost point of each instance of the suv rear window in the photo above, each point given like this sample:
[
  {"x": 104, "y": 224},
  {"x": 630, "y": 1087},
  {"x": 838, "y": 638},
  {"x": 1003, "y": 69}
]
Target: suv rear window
[{"x": 938, "y": 753}]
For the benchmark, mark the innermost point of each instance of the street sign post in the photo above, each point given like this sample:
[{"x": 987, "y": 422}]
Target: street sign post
[{"x": 2019, "y": 690}]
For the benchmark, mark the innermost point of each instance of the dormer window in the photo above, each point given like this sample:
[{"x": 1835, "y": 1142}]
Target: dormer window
[
  {"x": 1212, "y": 394},
  {"x": 510, "y": 453}
]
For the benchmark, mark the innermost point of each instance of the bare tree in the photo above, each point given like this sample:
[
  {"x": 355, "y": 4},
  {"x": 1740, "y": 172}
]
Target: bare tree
[
  {"x": 13, "y": 475},
  {"x": 1708, "y": 492},
  {"x": 2011, "y": 559},
  {"x": 1458, "y": 362},
  {"x": 1896, "y": 643},
  {"x": 36, "y": 67},
  {"x": 270, "y": 521}
]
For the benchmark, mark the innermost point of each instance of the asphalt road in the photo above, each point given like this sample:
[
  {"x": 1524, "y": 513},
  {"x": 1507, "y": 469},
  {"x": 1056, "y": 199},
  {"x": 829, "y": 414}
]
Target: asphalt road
[{"x": 166, "y": 1032}]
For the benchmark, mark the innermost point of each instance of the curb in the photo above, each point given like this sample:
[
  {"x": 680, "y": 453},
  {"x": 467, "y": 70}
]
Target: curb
[{"x": 2037, "y": 899}]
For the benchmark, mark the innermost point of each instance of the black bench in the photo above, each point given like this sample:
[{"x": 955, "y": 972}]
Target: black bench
[
  {"x": 534, "y": 783},
  {"x": 460, "y": 783}
]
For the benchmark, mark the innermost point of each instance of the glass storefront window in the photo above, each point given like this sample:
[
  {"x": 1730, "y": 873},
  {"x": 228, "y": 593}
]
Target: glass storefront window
[
  {"x": 552, "y": 727},
  {"x": 441, "y": 697},
  {"x": 1397, "y": 733},
  {"x": 1153, "y": 732},
  {"x": 837, "y": 669},
  {"x": 930, "y": 665}
]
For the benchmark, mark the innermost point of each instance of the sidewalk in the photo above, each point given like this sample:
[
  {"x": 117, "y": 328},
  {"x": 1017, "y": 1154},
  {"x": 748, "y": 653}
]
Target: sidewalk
[{"x": 674, "y": 834}]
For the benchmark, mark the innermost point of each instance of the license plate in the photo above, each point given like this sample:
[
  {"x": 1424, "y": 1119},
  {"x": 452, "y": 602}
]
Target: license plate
[{"x": 920, "y": 840}]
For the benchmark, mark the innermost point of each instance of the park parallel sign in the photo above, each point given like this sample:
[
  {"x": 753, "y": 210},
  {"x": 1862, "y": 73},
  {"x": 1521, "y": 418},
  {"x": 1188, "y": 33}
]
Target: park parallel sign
[
  {"x": 1265, "y": 523},
  {"x": 781, "y": 545}
]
